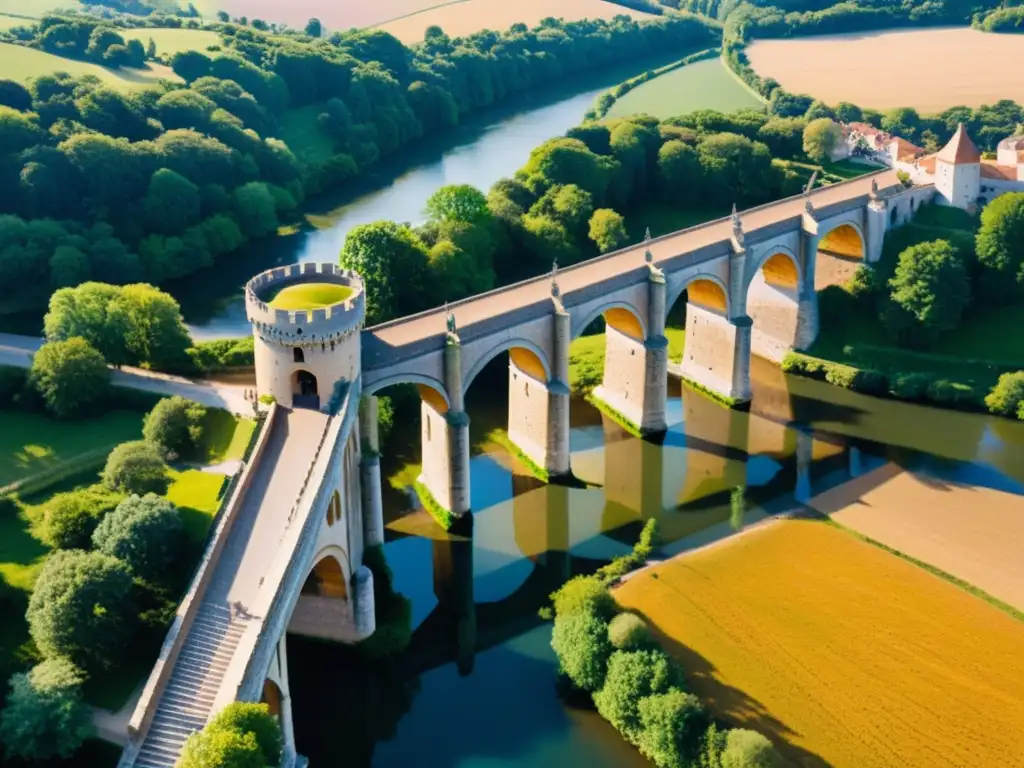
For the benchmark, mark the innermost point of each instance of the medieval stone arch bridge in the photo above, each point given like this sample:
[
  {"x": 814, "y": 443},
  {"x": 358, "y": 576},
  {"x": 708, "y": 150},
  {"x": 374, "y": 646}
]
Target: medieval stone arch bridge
[{"x": 289, "y": 549}]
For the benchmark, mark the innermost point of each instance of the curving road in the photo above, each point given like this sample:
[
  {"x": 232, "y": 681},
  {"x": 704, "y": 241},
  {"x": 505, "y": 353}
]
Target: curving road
[{"x": 17, "y": 351}]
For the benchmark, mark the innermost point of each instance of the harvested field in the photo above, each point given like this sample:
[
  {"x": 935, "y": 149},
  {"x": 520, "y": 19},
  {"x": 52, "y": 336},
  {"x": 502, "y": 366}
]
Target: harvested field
[
  {"x": 332, "y": 15},
  {"x": 23, "y": 64},
  {"x": 843, "y": 654},
  {"x": 971, "y": 532},
  {"x": 463, "y": 18},
  {"x": 704, "y": 84},
  {"x": 172, "y": 41},
  {"x": 930, "y": 69}
]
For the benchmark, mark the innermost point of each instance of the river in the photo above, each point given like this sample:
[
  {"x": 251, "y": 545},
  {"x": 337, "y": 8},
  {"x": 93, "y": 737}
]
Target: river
[
  {"x": 486, "y": 147},
  {"x": 477, "y": 687}
]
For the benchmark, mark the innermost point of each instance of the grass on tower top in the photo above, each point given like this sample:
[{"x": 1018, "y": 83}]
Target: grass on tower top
[{"x": 309, "y": 296}]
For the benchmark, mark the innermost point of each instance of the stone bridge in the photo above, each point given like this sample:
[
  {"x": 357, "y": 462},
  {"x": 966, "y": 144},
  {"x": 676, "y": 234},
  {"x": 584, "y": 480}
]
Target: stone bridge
[
  {"x": 749, "y": 283},
  {"x": 287, "y": 550}
]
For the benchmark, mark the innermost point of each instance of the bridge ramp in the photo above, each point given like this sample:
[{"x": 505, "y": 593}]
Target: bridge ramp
[{"x": 186, "y": 703}]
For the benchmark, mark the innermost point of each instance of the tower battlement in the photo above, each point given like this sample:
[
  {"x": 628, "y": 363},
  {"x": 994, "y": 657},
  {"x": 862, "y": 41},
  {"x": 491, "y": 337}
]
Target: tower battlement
[{"x": 304, "y": 327}]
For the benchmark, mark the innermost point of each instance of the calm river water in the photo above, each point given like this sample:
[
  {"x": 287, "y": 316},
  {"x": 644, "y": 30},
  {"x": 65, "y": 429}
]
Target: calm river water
[{"x": 476, "y": 689}]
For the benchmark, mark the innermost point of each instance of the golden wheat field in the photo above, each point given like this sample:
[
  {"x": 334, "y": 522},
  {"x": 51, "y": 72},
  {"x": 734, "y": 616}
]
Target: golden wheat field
[
  {"x": 930, "y": 69},
  {"x": 464, "y": 18},
  {"x": 843, "y": 654}
]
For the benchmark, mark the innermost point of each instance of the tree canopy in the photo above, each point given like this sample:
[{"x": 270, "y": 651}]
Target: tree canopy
[
  {"x": 145, "y": 533},
  {"x": 71, "y": 377},
  {"x": 45, "y": 716}
]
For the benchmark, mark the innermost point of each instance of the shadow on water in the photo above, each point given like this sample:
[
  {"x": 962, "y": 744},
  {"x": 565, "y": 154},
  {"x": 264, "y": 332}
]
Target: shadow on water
[{"x": 480, "y": 657}]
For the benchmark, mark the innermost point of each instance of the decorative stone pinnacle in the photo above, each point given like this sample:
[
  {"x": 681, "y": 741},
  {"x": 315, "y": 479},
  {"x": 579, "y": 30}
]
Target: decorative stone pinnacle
[
  {"x": 874, "y": 189},
  {"x": 450, "y": 318},
  {"x": 648, "y": 256},
  {"x": 807, "y": 192},
  {"x": 554, "y": 278}
]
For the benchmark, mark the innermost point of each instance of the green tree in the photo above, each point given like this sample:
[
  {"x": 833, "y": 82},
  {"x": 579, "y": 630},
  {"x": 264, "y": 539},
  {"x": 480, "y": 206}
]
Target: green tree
[
  {"x": 581, "y": 643},
  {"x": 15, "y": 95},
  {"x": 608, "y": 230},
  {"x": 569, "y": 161},
  {"x": 254, "y": 209},
  {"x": 143, "y": 532},
  {"x": 584, "y": 594},
  {"x": 784, "y": 136},
  {"x": 567, "y": 204},
  {"x": 246, "y": 717},
  {"x": 392, "y": 261},
  {"x": 153, "y": 329},
  {"x": 929, "y": 292},
  {"x": 190, "y": 65},
  {"x": 314, "y": 28},
  {"x": 1000, "y": 248},
  {"x": 628, "y": 632},
  {"x": 185, "y": 108},
  {"x": 672, "y": 726},
  {"x": 632, "y": 676},
  {"x": 548, "y": 241},
  {"x": 175, "y": 425},
  {"x": 222, "y": 234},
  {"x": 218, "y": 748},
  {"x": 458, "y": 202},
  {"x": 68, "y": 266},
  {"x": 679, "y": 172},
  {"x": 749, "y": 749},
  {"x": 821, "y": 137},
  {"x": 18, "y": 131},
  {"x": 82, "y": 608},
  {"x": 734, "y": 168},
  {"x": 1007, "y": 396},
  {"x": 71, "y": 377},
  {"x": 172, "y": 203},
  {"x": 84, "y": 311},
  {"x": 69, "y": 519},
  {"x": 45, "y": 716},
  {"x": 136, "y": 467}
]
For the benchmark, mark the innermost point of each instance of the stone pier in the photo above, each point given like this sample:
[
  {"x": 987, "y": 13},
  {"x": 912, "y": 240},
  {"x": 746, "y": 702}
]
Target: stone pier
[{"x": 444, "y": 433}]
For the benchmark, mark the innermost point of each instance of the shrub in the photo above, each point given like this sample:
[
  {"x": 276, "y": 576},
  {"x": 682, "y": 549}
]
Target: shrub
[
  {"x": 631, "y": 676},
  {"x": 910, "y": 386},
  {"x": 136, "y": 467},
  {"x": 748, "y": 749},
  {"x": 580, "y": 641},
  {"x": 584, "y": 594},
  {"x": 628, "y": 632},
  {"x": 244, "y": 717},
  {"x": 45, "y": 716},
  {"x": 145, "y": 533},
  {"x": 946, "y": 392},
  {"x": 1007, "y": 395},
  {"x": 82, "y": 608},
  {"x": 70, "y": 518},
  {"x": 620, "y": 566},
  {"x": 217, "y": 748},
  {"x": 71, "y": 377},
  {"x": 671, "y": 728},
  {"x": 712, "y": 747},
  {"x": 175, "y": 425}
]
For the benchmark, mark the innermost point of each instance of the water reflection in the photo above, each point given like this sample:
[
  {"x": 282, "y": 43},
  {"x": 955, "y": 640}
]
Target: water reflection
[{"x": 480, "y": 656}]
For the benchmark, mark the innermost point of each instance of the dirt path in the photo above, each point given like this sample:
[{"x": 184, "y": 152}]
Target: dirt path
[{"x": 973, "y": 533}]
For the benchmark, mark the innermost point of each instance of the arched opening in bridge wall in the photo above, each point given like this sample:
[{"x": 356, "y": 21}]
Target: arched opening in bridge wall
[
  {"x": 840, "y": 252},
  {"x": 773, "y": 305},
  {"x": 327, "y": 579},
  {"x": 272, "y": 697}
]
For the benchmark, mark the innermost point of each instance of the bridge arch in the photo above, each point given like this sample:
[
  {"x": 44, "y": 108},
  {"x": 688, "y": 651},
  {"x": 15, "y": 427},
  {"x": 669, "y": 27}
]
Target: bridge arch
[
  {"x": 772, "y": 301},
  {"x": 431, "y": 389},
  {"x": 329, "y": 576},
  {"x": 779, "y": 267},
  {"x": 704, "y": 290},
  {"x": 272, "y": 697},
  {"x": 620, "y": 315},
  {"x": 842, "y": 248},
  {"x": 526, "y": 354}
]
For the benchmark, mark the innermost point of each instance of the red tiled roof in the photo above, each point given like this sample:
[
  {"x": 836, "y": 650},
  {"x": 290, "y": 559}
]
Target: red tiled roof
[
  {"x": 927, "y": 164},
  {"x": 960, "y": 149},
  {"x": 905, "y": 151},
  {"x": 992, "y": 170}
]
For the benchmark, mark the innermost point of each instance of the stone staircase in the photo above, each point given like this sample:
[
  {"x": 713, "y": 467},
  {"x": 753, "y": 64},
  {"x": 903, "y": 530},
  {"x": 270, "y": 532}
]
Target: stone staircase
[{"x": 187, "y": 701}]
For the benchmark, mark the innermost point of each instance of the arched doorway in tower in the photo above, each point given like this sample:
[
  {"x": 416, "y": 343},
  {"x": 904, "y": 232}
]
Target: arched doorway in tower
[
  {"x": 840, "y": 252},
  {"x": 272, "y": 697},
  {"x": 326, "y": 580},
  {"x": 305, "y": 391},
  {"x": 773, "y": 305}
]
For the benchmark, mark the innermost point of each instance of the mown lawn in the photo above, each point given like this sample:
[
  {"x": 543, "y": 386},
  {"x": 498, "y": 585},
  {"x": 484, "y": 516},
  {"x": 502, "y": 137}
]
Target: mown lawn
[
  {"x": 306, "y": 296},
  {"x": 172, "y": 41},
  {"x": 704, "y": 84},
  {"x": 196, "y": 494},
  {"x": 32, "y": 442},
  {"x": 225, "y": 436},
  {"x": 840, "y": 652},
  {"x": 23, "y": 64}
]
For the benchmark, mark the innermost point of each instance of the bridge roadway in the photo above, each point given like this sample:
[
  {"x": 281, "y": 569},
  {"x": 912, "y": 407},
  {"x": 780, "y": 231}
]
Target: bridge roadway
[
  {"x": 407, "y": 330},
  {"x": 251, "y": 544}
]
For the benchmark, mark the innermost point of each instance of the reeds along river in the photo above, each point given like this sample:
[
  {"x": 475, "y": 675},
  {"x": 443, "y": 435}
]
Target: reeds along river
[{"x": 477, "y": 686}]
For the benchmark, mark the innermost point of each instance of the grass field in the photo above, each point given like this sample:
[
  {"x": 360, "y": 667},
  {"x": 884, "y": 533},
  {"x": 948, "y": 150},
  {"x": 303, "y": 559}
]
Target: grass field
[
  {"x": 840, "y": 652},
  {"x": 31, "y": 443},
  {"x": 332, "y": 15},
  {"x": 704, "y": 84},
  {"x": 309, "y": 296},
  {"x": 971, "y": 532},
  {"x": 470, "y": 16},
  {"x": 7, "y": 22},
  {"x": 172, "y": 41},
  {"x": 23, "y": 64},
  {"x": 903, "y": 68}
]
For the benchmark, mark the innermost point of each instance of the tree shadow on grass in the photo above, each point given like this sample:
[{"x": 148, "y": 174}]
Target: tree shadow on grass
[{"x": 732, "y": 705}]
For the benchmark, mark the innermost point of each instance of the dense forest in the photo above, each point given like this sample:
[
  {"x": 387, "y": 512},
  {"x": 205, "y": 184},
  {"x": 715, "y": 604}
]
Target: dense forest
[{"x": 156, "y": 183}]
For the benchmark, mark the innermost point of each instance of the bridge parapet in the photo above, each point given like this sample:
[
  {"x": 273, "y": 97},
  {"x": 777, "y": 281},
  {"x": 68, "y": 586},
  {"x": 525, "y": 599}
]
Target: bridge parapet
[{"x": 296, "y": 326}]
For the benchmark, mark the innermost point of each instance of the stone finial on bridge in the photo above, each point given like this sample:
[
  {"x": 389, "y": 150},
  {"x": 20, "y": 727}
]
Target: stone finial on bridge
[
  {"x": 449, "y": 318},
  {"x": 648, "y": 256},
  {"x": 873, "y": 194},
  {"x": 737, "y": 226},
  {"x": 555, "y": 290},
  {"x": 807, "y": 193}
]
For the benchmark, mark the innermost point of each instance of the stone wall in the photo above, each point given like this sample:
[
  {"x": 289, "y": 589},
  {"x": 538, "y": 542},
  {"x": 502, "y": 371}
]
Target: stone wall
[
  {"x": 774, "y": 311},
  {"x": 623, "y": 385},
  {"x": 528, "y": 409},
  {"x": 710, "y": 348}
]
